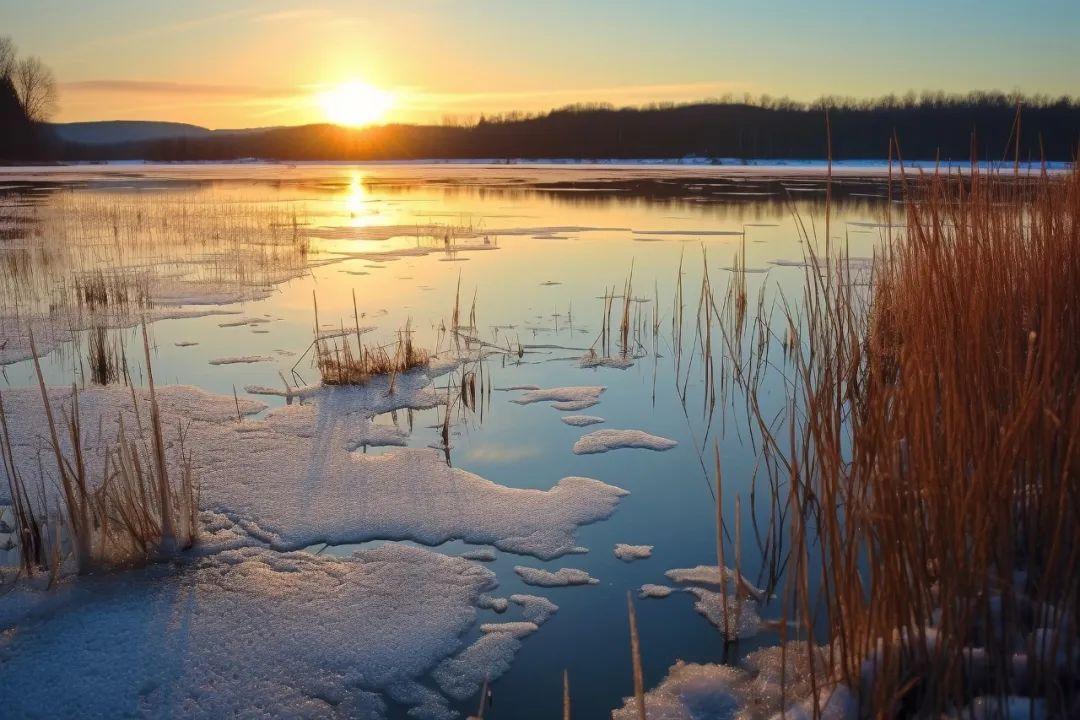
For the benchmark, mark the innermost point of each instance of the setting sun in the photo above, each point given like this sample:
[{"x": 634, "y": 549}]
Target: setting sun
[{"x": 355, "y": 103}]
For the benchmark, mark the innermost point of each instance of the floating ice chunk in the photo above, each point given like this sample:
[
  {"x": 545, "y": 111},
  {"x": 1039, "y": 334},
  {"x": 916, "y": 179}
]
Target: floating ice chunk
[
  {"x": 238, "y": 359},
  {"x": 517, "y": 629},
  {"x": 238, "y": 634},
  {"x": 601, "y": 441},
  {"x": 534, "y": 608},
  {"x": 480, "y": 554},
  {"x": 574, "y": 405},
  {"x": 710, "y": 576},
  {"x": 742, "y": 620},
  {"x": 655, "y": 591},
  {"x": 581, "y": 420},
  {"x": 185, "y": 343},
  {"x": 562, "y": 395},
  {"x": 559, "y": 578},
  {"x": 485, "y": 660},
  {"x": 629, "y": 553}
]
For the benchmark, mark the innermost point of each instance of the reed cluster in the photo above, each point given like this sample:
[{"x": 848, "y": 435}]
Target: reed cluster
[
  {"x": 339, "y": 364},
  {"x": 130, "y": 510},
  {"x": 932, "y": 450}
]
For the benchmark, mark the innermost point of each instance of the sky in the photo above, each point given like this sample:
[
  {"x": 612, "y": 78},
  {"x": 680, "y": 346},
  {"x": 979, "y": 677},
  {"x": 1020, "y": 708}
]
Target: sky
[{"x": 253, "y": 63}]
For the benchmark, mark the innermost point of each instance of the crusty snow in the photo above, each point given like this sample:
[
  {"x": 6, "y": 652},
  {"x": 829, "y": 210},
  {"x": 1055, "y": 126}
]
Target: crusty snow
[
  {"x": 581, "y": 420},
  {"x": 629, "y": 553},
  {"x": 253, "y": 624},
  {"x": 240, "y": 359},
  {"x": 292, "y": 479},
  {"x": 517, "y": 629},
  {"x": 479, "y": 554},
  {"x": 534, "y": 608},
  {"x": 241, "y": 634},
  {"x": 655, "y": 591},
  {"x": 559, "y": 578},
  {"x": 600, "y": 441},
  {"x": 488, "y": 658},
  {"x": 563, "y": 398},
  {"x": 759, "y": 687}
]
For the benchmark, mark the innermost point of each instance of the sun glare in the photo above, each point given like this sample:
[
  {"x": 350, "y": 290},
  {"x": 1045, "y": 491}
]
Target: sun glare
[{"x": 355, "y": 103}]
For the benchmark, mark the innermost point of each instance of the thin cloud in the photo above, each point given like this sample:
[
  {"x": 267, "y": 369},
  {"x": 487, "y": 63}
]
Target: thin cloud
[{"x": 158, "y": 87}]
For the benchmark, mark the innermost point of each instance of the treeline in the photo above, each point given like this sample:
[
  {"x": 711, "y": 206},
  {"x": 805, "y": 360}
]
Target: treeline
[
  {"x": 27, "y": 99},
  {"x": 932, "y": 125}
]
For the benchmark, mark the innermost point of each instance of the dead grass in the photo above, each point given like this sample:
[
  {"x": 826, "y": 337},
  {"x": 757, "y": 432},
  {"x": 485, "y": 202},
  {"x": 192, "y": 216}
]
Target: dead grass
[
  {"x": 339, "y": 364},
  {"x": 932, "y": 450},
  {"x": 130, "y": 514}
]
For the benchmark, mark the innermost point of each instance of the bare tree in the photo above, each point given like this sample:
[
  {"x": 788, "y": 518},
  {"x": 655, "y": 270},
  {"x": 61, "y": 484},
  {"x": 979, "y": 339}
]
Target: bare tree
[
  {"x": 7, "y": 58},
  {"x": 36, "y": 86}
]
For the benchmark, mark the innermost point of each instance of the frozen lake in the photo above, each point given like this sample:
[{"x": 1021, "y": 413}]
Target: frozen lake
[{"x": 228, "y": 262}]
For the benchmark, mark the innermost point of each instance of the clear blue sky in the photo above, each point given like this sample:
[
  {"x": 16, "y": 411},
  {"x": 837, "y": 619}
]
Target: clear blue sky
[{"x": 251, "y": 62}]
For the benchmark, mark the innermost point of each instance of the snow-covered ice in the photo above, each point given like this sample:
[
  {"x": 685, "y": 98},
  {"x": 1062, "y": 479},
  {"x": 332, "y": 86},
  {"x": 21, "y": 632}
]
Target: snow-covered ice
[
  {"x": 629, "y": 553},
  {"x": 564, "y": 398},
  {"x": 488, "y": 658},
  {"x": 600, "y": 441},
  {"x": 240, "y": 359},
  {"x": 649, "y": 590},
  {"x": 581, "y": 420},
  {"x": 559, "y": 578},
  {"x": 759, "y": 687},
  {"x": 241, "y": 634},
  {"x": 517, "y": 629},
  {"x": 534, "y": 608},
  {"x": 292, "y": 479}
]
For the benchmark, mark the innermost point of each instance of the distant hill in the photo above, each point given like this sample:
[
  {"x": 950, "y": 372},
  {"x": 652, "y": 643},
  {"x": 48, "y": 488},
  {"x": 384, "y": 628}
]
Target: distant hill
[
  {"x": 110, "y": 132},
  {"x": 949, "y": 127}
]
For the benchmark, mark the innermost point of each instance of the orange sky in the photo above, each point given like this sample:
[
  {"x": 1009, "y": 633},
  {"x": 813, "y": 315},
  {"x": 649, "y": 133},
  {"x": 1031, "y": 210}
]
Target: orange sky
[{"x": 264, "y": 62}]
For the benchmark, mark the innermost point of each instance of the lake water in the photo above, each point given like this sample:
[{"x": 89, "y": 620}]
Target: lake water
[{"x": 533, "y": 249}]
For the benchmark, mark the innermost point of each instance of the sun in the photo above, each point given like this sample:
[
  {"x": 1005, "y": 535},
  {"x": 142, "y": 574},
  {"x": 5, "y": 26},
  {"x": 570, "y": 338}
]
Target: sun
[{"x": 355, "y": 103}]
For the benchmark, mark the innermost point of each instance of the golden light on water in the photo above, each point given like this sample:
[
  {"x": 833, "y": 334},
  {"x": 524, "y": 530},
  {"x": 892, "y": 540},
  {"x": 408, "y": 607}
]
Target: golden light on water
[{"x": 355, "y": 104}]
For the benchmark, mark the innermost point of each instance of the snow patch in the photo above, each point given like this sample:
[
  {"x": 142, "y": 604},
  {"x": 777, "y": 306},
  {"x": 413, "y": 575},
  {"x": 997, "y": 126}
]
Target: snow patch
[
  {"x": 534, "y": 608},
  {"x": 560, "y": 578},
  {"x": 601, "y": 441},
  {"x": 629, "y": 553},
  {"x": 581, "y": 420}
]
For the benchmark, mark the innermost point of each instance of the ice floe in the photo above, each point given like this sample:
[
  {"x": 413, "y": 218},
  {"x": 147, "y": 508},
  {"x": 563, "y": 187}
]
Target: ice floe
[
  {"x": 581, "y": 420},
  {"x": 563, "y": 397},
  {"x": 534, "y": 608},
  {"x": 240, "y": 359},
  {"x": 601, "y": 441},
  {"x": 649, "y": 590},
  {"x": 629, "y": 553},
  {"x": 517, "y": 629},
  {"x": 559, "y": 578}
]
